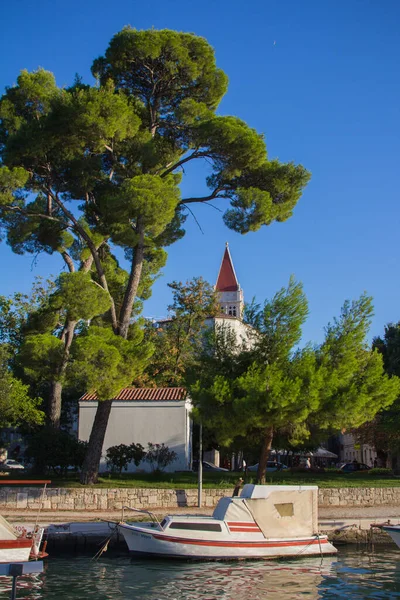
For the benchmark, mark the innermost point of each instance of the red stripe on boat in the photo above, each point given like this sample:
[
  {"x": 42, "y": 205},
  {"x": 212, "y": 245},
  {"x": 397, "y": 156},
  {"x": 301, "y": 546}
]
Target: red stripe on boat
[
  {"x": 242, "y": 524},
  {"x": 245, "y": 529},
  {"x": 18, "y": 543},
  {"x": 165, "y": 538}
]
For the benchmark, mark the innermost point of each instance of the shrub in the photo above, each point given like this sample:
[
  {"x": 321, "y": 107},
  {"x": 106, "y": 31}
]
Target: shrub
[
  {"x": 119, "y": 457},
  {"x": 159, "y": 456},
  {"x": 55, "y": 450},
  {"x": 380, "y": 471}
]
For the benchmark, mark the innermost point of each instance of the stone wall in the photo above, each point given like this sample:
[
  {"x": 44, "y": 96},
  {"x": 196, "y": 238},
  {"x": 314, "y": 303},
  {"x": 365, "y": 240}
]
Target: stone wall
[
  {"x": 389, "y": 496},
  {"x": 65, "y": 499}
]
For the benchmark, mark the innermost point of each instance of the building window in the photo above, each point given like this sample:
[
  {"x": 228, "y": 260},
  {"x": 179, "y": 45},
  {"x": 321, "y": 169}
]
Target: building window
[{"x": 232, "y": 311}]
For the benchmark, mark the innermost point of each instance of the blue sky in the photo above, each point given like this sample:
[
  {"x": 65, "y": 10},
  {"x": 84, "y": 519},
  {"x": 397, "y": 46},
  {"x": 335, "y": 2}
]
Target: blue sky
[{"x": 320, "y": 79}]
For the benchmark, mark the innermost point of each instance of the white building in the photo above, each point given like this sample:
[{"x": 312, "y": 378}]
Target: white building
[
  {"x": 142, "y": 415},
  {"x": 351, "y": 450},
  {"x": 162, "y": 415}
]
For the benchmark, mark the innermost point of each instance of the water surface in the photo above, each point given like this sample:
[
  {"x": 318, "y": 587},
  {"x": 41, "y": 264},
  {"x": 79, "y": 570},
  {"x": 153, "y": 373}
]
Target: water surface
[{"x": 355, "y": 573}]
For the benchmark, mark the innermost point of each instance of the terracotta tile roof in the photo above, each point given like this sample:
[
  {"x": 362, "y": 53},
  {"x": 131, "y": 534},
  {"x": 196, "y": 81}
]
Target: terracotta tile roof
[
  {"x": 227, "y": 281},
  {"x": 132, "y": 393}
]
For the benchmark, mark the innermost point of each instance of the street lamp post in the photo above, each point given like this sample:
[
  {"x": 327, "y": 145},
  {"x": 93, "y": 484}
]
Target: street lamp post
[{"x": 200, "y": 471}]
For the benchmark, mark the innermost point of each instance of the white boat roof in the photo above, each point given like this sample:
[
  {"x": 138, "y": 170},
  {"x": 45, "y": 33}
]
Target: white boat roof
[{"x": 251, "y": 490}]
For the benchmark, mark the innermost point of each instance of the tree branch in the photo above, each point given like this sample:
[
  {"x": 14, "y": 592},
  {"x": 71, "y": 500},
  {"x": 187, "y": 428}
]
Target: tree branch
[
  {"x": 213, "y": 195},
  {"x": 29, "y": 214},
  {"x": 194, "y": 217},
  {"x": 69, "y": 262},
  {"x": 93, "y": 250},
  {"x": 195, "y": 154}
]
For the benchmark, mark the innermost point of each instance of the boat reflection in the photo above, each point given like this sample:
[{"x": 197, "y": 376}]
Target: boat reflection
[
  {"x": 354, "y": 574},
  {"x": 245, "y": 580}
]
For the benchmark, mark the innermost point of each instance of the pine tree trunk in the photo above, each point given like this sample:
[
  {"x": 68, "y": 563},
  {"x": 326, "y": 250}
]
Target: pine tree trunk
[
  {"x": 55, "y": 397},
  {"x": 97, "y": 436},
  {"x": 265, "y": 450},
  {"x": 54, "y": 407},
  {"x": 90, "y": 469},
  {"x": 133, "y": 283}
]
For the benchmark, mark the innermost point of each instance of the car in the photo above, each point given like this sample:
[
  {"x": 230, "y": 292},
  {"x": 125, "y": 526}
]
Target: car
[
  {"x": 11, "y": 465},
  {"x": 207, "y": 466},
  {"x": 354, "y": 467},
  {"x": 272, "y": 465}
]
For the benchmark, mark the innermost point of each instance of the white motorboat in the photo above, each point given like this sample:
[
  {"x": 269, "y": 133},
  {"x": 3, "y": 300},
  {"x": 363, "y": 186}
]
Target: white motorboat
[
  {"x": 394, "y": 532},
  {"x": 265, "y": 521}
]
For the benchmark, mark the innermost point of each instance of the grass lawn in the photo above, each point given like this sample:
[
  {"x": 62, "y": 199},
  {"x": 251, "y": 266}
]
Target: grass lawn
[{"x": 224, "y": 480}]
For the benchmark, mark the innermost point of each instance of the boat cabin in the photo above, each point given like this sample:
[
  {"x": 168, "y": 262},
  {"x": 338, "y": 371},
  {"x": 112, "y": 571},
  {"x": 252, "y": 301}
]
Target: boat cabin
[{"x": 276, "y": 509}]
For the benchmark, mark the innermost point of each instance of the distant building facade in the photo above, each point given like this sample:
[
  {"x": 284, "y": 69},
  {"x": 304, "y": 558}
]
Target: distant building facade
[{"x": 351, "y": 450}]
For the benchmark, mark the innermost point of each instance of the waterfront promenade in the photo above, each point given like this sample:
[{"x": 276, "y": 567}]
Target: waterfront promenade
[{"x": 344, "y": 524}]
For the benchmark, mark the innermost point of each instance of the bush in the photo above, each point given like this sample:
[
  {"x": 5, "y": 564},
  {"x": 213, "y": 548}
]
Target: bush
[
  {"x": 380, "y": 471},
  {"x": 119, "y": 457},
  {"x": 54, "y": 450},
  {"x": 159, "y": 456}
]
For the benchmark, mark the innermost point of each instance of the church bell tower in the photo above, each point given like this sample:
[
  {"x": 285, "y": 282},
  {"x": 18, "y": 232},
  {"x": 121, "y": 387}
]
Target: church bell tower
[{"x": 228, "y": 288}]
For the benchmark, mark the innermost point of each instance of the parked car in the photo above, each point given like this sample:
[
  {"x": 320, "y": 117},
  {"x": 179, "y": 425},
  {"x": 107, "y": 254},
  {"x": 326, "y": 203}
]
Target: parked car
[
  {"x": 207, "y": 466},
  {"x": 271, "y": 466},
  {"x": 353, "y": 467},
  {"x": 10, "y": 465}
]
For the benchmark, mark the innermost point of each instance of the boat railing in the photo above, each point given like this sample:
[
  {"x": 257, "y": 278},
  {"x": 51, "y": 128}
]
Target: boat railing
[{"x": 152, "y": 516}]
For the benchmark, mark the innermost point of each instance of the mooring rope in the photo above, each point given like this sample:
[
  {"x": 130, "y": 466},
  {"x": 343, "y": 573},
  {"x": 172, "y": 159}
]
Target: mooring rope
[{"x": 104, "y": 547}]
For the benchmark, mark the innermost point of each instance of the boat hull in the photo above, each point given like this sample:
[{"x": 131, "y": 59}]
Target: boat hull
[
  {"x": 394, "y": 533},
  {"x": 158, "y": 543},
  {"x": 15, "y": 550}
]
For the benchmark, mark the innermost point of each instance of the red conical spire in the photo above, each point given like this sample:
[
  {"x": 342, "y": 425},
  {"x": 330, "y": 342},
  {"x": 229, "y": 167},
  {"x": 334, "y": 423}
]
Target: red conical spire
[{"x": 227, "y": 281}]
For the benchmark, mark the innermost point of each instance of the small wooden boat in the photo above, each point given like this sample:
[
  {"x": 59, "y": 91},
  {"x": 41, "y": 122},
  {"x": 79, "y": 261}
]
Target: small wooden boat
[
  {"x": 21, "y": 546},
  {"x": 17, "y": 547},
  {"x": 265, "y": 521}
]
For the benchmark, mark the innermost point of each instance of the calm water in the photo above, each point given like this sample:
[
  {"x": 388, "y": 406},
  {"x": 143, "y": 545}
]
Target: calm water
[{"x": 354, "y": 573}]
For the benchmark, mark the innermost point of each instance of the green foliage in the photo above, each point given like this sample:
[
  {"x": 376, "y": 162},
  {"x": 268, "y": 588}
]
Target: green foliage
[
  {"x": 29, "y": 100},
  {"x": 380, "y": 471},
  {"x": 232, "y": 145},
  {"x": 159, "y": 456},
  {"x": 147, "y": 198},
  {"x": 80, "y": 297},
  {"x": 55, "y": 450},
  {"x": 355, "y": 385},
  {"x": 105, "y": 362},
  {"x": 179, "y": 66},
  {"x": 119, "y": 457},
  {"x": 274, "y": 387},
  {"x": 40, "y": 356},
  {"x": 280, "y": 322},
  {"x": 16, "y": 312},
  {"x": 262, "y": 195},
  {"x": 16, "y": 405},
  {"x": 383, "y": 431},
  {"x": 178, "y": 341},
  {"x": 10, "y": 181}
]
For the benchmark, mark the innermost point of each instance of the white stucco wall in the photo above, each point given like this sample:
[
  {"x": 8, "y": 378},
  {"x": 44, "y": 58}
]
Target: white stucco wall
[
  {"x": 244, "y": 333},
  {"x": 141, "y": 422}
]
